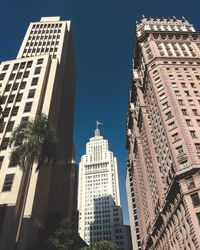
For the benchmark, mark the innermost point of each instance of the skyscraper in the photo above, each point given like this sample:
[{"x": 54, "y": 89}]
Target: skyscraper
[
  {"x": 100, "y": 214},
  {"x": 41, "y": 79},
  {"x": 163, "y": 133}
]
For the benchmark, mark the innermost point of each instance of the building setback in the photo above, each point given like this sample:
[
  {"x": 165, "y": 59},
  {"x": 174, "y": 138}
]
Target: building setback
[
  {"x": 163, "y": 134},
  {"x": 41, "y": 79},
  {"x": 100, "y": 213}
]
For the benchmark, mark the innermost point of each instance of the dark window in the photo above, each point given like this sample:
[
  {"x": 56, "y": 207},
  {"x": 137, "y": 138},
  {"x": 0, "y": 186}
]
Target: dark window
[
  {"x": 10, "y": 126},
  {"x": 1, "y": 161},
  {"x": 184, "y": 111},
  {"x": 14, "y": 111},
  {"x": 16, "y": 65},
  {"x": 40, "y": 61},
  {"x": 15, "y": 86},
  {"x": 12, "y": 76},
  {"x": 8, "y": 182},
  {"x": 195, "y": 199},
  {"x": 6, "y": 112},
  {"x": 31, "y": 93},
  {"x": 11, "y": 98},
  {"x": 195, "y": 112},
  {"x": 3, "y": 99},
  {"x": 27, "y": 107},
  {"x": 12, "y": 164},
  {"x": 2, "y": 76},
  {"x": 193, "y": 134},
  {"x": 22, "y": 65},
  {"x": 7, "y": 88},
  {"x": 37, "y": 70},
  {"x": 24, "y": 119},
  {"x": 2, "y": 126},
  {"x": 34, "y": 81},
  {"x": 190, "y": 182},
  {"x": 29, "y": 64},
  {"x": 19, "y": 97},
  {"x": 19, "y": 75},
  {"x": 4, "y": 143},
  {"x": 5, "y": 67},
  {"x": 198, "y": 217},
  {"x": 22, "y": 85},
  {"x": 26, "y": 74}
]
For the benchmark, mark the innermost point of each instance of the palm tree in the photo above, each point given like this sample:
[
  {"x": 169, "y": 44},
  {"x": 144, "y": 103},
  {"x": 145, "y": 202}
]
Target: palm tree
[{"x": 34, "y": 143}]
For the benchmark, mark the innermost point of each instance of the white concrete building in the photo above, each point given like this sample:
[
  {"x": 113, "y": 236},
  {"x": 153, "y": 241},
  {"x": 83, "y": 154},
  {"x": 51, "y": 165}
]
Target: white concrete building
[
  {"x": 41, "y": 79},
  {"x": 100, "y": 214}
]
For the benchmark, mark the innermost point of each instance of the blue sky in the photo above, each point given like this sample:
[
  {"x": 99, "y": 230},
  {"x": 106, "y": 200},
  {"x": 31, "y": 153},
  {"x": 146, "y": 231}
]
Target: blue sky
[{"x": 103, "y": 35}]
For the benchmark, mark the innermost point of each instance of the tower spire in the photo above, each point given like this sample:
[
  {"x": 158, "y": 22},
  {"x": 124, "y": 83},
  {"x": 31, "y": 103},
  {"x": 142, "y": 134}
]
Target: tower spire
[{"x": 97, "y": 131}]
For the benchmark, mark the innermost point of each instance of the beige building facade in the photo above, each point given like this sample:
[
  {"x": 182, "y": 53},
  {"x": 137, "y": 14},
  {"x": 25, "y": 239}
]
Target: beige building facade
[
  {"x": 41, "y": 79},
  {"x": 163, "y": 133}
]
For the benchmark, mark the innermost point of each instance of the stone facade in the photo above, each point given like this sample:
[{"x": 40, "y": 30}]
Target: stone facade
[{"x": 163, "y": 133}]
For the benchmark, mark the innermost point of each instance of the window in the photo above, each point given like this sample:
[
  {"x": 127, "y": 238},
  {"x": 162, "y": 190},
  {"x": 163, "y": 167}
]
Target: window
[
  {"x": 10, "y": 126},
  {"x": 29, "y": 64},
  {"x": 179, "y": 150},
  {"x": 198, "y": 122},
  {"x": 165, "y": 105},
  {"x": 168, "y": 115},
  {"x": 2, "y": 126},
  {"x": 187, "y": 93},
  {"x": 193, "y": 134},
  {"x": 191, "y": 102},
  {"x": 180, "y": 101},
  {"x": 31, "y": 93},
  {"x": 196, "y": 93},
  {"x": 162, "y": 96},
  {"x": 26, "y": 74},
  {"x": 177, "y": 93},
  {"x": 197, "y": 145},
  {"x": 5, "y": 67},
  {"x": 15, "y": 86},
  {"x": 12, "y": 76},
  {"x": 172, "y": 125},
  {"x": 195, "y": 112},
  {"x": 1, "y": 161},
  {"x": 22, "y": 65},
  {"x": 195, "y": 199},
  {"x": 183, "y": 85},
  {"x": 40, "y": 61},
  {"x": 7, "y": 88},
  {"x": 19, "y": 75},
  {"x": 192, "y": 85},
  {"x": 198, "y": 217},
  {"x": 19, "y": 97},
  {"x": 37, "y": 70},
  {"x": 6, "y": 112},
  {"x": 22, "y": 85},
  {"x": 11, "y": 98},
  {"x": 2, "y": 76},
  {"x": 175, "y": 137},
  {"x": 12, "y": 164},
  {"x": 8, "y": 182},
  {"x": 4, "y": 143},
  {"x": 34, "y": 81},
  {"x": 184, "y": 111},
  {"x": 174, "y": 85},
  {"x": 24, "y": 119},
  {"x": 14, "y": 111},
  {"x": 190, "y": 182},
  {"x": 27, "y": 107},
  {"x": 188, "y": 122}
]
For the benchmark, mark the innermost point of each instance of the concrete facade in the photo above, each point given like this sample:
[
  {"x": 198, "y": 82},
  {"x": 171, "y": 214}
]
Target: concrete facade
[
  {"x": 163, "y": 133},
  {"x": 41, "y": 79},
  {"x": 100, "y": 213}
]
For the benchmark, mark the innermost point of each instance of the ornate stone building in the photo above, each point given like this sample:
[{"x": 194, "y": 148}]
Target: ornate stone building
[{"x": 163, "y": 134}]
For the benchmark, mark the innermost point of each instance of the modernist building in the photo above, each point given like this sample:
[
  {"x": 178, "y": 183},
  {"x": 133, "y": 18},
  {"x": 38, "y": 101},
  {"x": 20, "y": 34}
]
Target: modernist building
[
  {"x": 100, "y": 214},
  {"x": 41, "y": 79},
  {"x": 163, "y": 133}
]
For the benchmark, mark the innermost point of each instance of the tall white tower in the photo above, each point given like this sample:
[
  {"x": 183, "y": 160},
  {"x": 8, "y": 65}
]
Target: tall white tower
[{"x": 100, "y": 214}]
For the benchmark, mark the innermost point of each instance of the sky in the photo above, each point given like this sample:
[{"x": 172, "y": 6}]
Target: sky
[{"x": 103, "y": 37}]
